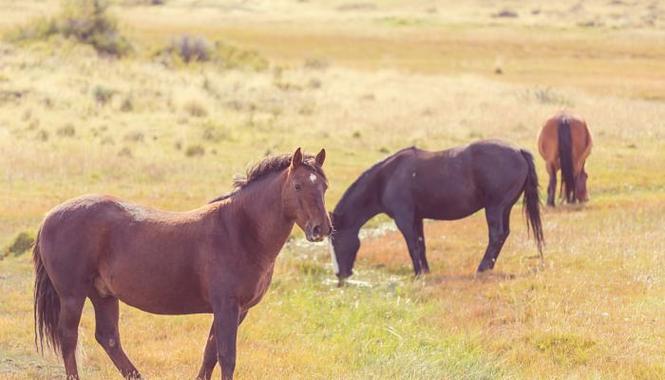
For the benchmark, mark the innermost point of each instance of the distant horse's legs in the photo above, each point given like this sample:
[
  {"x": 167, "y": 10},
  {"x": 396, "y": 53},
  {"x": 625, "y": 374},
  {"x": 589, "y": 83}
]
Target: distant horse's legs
[
  {"x": 498, "y": 232},
  {"x": 210, "y": 353},
  {"x": 407, "y": 225},
  {"x": 551, "y": 188},
  {"x": 421, "y": 241},
  {"x": 71, "y": 308},
  {"x": 107, "y": 335}
]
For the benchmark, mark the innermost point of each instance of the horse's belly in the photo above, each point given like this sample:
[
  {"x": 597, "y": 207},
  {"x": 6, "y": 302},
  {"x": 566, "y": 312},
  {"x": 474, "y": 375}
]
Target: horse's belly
[
  {"x": 449, "y": 207},
  {"x": 159, "y": 295},
  {"x": 449, "y": 213}
]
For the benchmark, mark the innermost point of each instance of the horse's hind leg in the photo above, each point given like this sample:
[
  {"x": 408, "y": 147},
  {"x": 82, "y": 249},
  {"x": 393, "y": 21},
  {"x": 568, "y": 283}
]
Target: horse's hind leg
[
  {"x": 498, "y": 233},
  {"x": 506, "y": 232},
  {"x": 71, "y": 308},
  {"x": 107, "y": 335},
  {"x": 551, "y": 188}
]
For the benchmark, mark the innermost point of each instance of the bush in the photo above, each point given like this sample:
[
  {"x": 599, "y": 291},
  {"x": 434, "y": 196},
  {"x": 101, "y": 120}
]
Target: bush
[
  {"x": 195, "y": 150},
  {"x": 102, "y": 94},
  {"x": 67, "y": 130},
  {"x": 85, "y": 21},
  {"x": 22, "y": 243},
  {"x": 195, "y": 108},
  {"x": 190, "y": 49}
]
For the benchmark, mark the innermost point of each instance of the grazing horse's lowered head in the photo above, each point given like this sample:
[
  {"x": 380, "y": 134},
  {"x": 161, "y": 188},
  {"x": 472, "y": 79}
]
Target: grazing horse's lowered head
[{"x": 343, "y": 245}]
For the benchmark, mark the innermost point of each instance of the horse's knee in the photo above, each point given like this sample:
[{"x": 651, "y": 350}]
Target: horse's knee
[
  {"x": 108, "y": 339},
  {"x": 499, "y": 237}
]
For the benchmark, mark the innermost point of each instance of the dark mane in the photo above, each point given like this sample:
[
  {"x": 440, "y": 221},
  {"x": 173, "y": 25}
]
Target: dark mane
[
  {"x": 366, "y": 174},
  {"x": 269, "y": 165}
]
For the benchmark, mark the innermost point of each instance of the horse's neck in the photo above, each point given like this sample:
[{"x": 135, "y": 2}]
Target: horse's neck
[
  {"x": 259, "y": 207},
  {"x": 361, "y": 204}
]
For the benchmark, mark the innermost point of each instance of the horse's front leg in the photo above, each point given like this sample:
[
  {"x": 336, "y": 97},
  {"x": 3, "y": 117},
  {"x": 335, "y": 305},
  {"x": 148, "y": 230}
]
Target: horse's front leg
[
  {"x": 225, "y": 325},
  {"x": 209, "y": 356},
  {"x": 407, "y": 225},
  {"x": 210, "y": 353}
]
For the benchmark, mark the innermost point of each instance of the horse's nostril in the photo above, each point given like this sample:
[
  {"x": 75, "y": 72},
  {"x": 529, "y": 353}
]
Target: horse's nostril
[{"x": 316, "y": 231}]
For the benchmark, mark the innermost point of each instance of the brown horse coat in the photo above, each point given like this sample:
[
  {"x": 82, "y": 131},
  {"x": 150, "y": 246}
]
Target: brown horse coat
[
  {"x": 565, "y": 143},
  {"x": 216, "y": 259}
]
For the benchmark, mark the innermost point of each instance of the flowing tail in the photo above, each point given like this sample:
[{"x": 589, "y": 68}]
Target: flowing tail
[
  {"x": 566, "y": 158},
  {"x": 47, "y": 305},
  {"x": 532, "y": 203}
]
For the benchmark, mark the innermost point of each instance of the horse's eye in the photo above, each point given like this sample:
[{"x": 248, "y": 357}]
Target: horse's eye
[{"x": 298, "y": 187}]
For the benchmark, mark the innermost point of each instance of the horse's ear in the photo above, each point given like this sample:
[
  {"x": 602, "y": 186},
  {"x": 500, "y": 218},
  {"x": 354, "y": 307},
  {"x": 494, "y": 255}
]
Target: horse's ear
[
  {"x": 321, "y": 157},
  {"x": 296, "y": 160}
]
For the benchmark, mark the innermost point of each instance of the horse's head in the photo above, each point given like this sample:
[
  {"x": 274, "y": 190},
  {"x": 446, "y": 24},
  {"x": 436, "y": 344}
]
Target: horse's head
[
  {"x": 344, "y": 244},
  {"x": 580, "y": 187},
  {"x": 303, "y": 195}
]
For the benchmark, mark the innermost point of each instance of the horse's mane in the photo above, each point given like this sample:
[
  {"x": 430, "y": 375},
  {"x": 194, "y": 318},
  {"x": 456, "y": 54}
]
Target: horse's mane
[
  {"x": 366, "y": 174},
  {"x": 268, "y": 165}
]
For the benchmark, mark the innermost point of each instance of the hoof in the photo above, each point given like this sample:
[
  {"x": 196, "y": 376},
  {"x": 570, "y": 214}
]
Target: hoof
[{"x": 483, "y": 268}]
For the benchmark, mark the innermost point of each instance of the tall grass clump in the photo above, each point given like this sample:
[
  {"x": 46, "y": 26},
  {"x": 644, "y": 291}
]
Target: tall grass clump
[{"x": 84, "y": 21}]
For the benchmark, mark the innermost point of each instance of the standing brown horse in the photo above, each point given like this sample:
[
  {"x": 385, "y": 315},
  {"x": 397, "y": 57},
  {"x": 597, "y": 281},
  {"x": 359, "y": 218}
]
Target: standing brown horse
[
  {"x": 565, "y": 143},
  {"x": 216, "y": 259}
]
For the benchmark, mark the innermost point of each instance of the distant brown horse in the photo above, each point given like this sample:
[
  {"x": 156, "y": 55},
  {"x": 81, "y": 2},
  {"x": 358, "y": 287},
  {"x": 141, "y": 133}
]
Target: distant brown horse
[
  {"x": 565, "y": 143},
  {"x": 216, "y": 259}
]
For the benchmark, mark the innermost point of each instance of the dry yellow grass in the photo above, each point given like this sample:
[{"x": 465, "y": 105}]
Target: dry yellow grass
[{"x": 360, "y": 80}]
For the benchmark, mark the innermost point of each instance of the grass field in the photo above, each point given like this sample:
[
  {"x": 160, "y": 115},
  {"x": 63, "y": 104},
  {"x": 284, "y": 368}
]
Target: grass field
[{"x": 361, "y": 79}]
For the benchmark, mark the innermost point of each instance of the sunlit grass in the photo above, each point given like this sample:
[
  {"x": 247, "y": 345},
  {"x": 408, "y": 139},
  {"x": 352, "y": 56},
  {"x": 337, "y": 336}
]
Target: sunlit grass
[{"x": 371, "y": 82}]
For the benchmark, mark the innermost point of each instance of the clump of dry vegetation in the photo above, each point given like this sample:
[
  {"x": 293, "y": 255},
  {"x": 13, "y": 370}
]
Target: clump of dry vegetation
[
  {"x": 85, "y": 21},
  {"x": 22, "y": 243},
  {"x": 188, "y": 49}
]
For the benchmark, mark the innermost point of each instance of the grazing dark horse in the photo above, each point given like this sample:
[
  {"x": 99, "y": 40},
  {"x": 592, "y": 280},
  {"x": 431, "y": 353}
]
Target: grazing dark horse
[
  {"x": 414, "y": 184},
  {"x": 565, "y": 143},
  {"x": 216, "y": 259}
]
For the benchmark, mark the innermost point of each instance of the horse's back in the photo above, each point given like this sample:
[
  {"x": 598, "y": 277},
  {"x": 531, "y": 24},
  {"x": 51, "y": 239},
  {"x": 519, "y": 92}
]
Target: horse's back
[
  {"x": 456, "y": 182},
  {"x": 140, "y": 255}
]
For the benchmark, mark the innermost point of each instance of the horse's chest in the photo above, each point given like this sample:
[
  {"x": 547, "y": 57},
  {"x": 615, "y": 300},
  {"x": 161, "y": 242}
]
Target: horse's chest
[{"x": 252, "y": 295}]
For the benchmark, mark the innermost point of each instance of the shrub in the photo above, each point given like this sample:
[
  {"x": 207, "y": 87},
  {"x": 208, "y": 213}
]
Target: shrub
[
  {"x": 85, "y": 21},
  {"x": 125, "y": 152},
  {"x": 127, "y": 104},
  {"x": 102, "y": 94},
  {"x": 42, "y": 135},
  {"x": 214, "y": 132},
  {"x": 195, "y": 109},
  {"x": 189, "y": 49},
  {"x": 136, "y": 136},
  {"x": 67, "y": 130},
  {"x": 21, "y": 244},
  {"x": 194, "y": 150}
]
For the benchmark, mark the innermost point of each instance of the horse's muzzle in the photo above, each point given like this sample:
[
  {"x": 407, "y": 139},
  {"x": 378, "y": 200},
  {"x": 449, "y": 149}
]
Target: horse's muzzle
[{"x": 317, "y": 232}]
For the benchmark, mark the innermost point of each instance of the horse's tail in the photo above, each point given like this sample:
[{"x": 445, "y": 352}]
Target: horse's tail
[
  {"x": 566, "y": 158},
  {"x": 47, "y": 304},
  {"x": 532, "y": 202}
]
